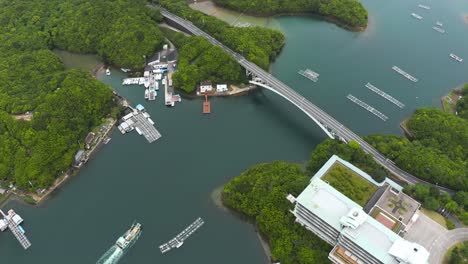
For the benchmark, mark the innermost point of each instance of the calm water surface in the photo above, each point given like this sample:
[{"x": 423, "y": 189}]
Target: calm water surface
[{"x": 167, "y": 184}]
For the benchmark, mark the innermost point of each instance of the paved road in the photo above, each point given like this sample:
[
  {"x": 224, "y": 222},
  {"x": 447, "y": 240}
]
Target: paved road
[
  {"x": 440, "y": 246},
  {"x": 305, "y": 105}
]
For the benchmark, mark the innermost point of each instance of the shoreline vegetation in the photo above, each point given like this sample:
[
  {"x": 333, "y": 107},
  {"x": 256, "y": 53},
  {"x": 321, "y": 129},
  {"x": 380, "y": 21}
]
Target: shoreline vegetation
[
  {"x": 348, "y": 14},
  {"x": 61, "y": 105}
]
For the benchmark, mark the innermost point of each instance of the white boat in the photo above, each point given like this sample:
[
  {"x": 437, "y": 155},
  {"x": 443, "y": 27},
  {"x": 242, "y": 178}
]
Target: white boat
[
  {"x": 107, "y": 72},
  {"x": 416, "y": 16},
  {"x": 455, "y": 57},
  {"x": 146, "y": 82},
  {"x": 146, "y": 93},
  {"x": 157, "y": 86},
  {"x": 125, "y": 69},
  {"x": 438, "y": 29},
  {"x": 424, "y": 7},
  {"x": 439, "y": 24}
]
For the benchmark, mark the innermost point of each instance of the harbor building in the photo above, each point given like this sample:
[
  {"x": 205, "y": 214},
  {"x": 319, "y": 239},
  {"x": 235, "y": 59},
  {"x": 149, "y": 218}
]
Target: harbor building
[
  {"x": 221, "y": 88},
  {"x": 360, "y": 234},
  {"x": 206, "y": 87}
]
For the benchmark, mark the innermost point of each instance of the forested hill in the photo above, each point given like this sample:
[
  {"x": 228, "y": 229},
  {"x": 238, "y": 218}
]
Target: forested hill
[
  {"x": 438, "y": 152},
  {"x": 258, "y": 44},
  {"x": 65, "y": 104},
  {"x": 347, "y": 12}
]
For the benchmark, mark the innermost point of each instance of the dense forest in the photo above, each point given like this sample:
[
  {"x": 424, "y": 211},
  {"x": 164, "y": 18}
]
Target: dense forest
[
  {"x": 462, "y": 104},
  {"x": 433, "y": 199},
  {"x": 438, "y": 151},
  {"x": 65, "y": 105},
  {"x": 260, "y": 194},
  {"x": 258, "y": 44},
  {"x": 347, "y": 12},
  {"x": 200, "y": 61}
]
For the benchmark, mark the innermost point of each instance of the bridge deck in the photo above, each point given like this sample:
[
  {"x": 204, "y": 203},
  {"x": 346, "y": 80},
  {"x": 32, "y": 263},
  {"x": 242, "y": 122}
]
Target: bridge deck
[{"x": 316, "y": 113}]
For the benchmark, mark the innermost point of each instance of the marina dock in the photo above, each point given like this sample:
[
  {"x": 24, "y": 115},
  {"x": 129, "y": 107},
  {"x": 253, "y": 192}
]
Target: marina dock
[
  {"x": 367, "y": 107},
  {"x": 178, "y": 241},
  {"x": 206, "y": 105},
  {"x": 385, "y": 95},
  {"x": 309, "y": 74},
  {"x": 137, "y": 81},
  {"x": 402, "y": 72},
  {"x": 140, "y": 121},
  {"x": 15, "y": 228}
]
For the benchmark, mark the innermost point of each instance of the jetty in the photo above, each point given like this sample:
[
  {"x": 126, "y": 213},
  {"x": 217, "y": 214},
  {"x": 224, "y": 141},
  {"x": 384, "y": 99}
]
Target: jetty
[
  {"x": 367, "y": 107},
  {"x": 385, "y": 95},
  {"x": 178, "y": 241},
  {"x": 206, "y": 105},
  {"x": 309, "y": 74},
  {"x": 138, "y": 119},
  {"x": 402, "y": 72},
  {"x": 13, "y": 222}
]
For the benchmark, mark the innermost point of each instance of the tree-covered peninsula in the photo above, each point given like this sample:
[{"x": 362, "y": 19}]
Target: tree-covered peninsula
[
  {"x": 200, "y": 61},
  {"x": 348, "y": 13},
  {"x": 437, "y": 151},
  {"x": 260, "y": 194},
  {"x": 258, "y": 44},
  {"x": 62, "y": 106}
]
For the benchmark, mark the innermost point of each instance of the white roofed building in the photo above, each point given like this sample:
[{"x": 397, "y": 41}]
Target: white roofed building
[{"x": 356, "y": 237}]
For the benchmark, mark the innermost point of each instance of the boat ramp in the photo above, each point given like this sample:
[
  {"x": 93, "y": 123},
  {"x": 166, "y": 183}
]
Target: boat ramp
[
  {"x": 309, "y": 74},
  {"x": 13, "y": 221},
  {"x": 138, "y": 119},
  {"x": 402, "y": 72},
  {"x": 385, "y": 95},
  {"x": 178, "y": 241},
  {"x": 367, "y": 107}
]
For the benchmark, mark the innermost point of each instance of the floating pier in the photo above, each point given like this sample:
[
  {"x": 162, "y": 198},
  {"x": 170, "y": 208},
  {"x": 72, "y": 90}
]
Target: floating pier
[
  {"x": 367, "y": 107},
  {"x": 140, "y": 121},
  {"x": 309, "y": 74},
  {"x": 15, "y": 228},
  {"x": 385, "y": 95},
  {"x": 137, "y": 81},
  {"x": 178, "y": 241},
  {"x": 206, "y": 105},
  {"x": 402, "y": 72}
]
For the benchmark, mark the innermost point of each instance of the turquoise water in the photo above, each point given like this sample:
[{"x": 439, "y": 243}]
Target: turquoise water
[{"x": 168, "y": 184}]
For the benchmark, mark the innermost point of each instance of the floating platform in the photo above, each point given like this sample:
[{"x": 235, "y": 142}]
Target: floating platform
[
  {"x": 206, "y": 106},
  {"x": 367, "y": 107},
  {"x": 402, "y": 72},
  {"x": 13, "y": 222},
  {"x": 424, "y": 7},
  {"x": 140, "y": 121},
  {"x": 178, "y": 241},
  {"x": 309, "y": 74},
  {"x": 385, "y": 95},
  {"x": 438, "y": 29}
]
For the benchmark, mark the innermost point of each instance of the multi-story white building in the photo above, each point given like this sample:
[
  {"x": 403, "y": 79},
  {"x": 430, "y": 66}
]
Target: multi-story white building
[{"x": 356, "y": 236}]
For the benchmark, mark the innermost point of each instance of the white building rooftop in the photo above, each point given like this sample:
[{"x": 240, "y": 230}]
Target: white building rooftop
[{"x": 337, "y": 210}]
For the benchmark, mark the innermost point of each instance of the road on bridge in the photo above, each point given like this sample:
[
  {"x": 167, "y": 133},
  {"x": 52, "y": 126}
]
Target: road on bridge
[{"x": 302, "y": 103}]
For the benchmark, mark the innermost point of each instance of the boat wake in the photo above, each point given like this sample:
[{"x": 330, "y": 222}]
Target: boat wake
[{"x": 112, "y": 256}]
